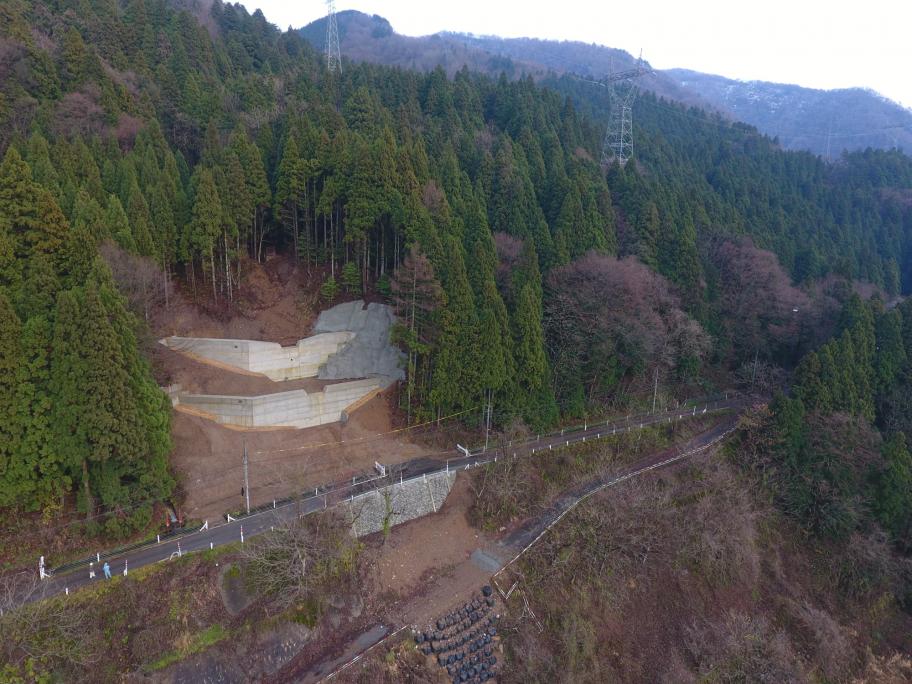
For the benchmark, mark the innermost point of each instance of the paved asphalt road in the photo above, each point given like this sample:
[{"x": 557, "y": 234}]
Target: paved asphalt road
[{"x": 257, "y": 523}]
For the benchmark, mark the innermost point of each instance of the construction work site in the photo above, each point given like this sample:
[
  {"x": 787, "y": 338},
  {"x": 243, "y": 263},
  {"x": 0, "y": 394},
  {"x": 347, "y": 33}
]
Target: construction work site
[
  {"x": 307, "y": 411},
  {"x": 272, "y": 424}
]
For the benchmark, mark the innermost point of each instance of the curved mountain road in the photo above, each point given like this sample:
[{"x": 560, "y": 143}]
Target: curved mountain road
[{"x": 232, "y": 531}]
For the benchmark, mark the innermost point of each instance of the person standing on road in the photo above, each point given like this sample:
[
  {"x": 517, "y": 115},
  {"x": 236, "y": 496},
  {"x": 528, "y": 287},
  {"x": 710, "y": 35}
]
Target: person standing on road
[{"x": 107, "y": 570}]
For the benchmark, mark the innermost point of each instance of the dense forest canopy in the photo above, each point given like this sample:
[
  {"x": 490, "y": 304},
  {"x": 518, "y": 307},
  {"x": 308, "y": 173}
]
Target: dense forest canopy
[{"x": 189, "y": 140}]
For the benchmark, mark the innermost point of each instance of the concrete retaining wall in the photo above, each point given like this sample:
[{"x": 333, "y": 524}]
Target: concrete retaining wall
[
  {"x": 297, "y": 408},
  {"x": 398, "y": 503},
  {"x": 370, "y": 353},
  {"x": 351, "y": 340},
  {"x": 268, "y": 358}
]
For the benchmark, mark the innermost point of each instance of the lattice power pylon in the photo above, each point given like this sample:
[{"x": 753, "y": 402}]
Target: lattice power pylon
[
  {"x": 622, "y": 88},
  {"x": 333, "y": 52}
]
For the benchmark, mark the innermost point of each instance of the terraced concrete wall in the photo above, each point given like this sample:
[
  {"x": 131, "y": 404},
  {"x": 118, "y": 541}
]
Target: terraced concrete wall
[
  {"x": 296, "y": 408},
  {"x": 385, "y": 508},
  {"x": 269, "y": 358}
]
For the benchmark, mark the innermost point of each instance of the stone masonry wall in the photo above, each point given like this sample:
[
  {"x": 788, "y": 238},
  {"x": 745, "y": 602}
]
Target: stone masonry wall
[{"x": 398, "y": 503}]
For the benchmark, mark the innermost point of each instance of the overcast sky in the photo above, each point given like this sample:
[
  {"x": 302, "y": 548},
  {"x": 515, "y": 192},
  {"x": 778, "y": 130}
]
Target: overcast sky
[{"x": 814, "y": 43}]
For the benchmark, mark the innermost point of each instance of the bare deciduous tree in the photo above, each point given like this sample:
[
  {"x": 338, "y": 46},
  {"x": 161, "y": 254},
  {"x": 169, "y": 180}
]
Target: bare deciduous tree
[
  {"x": 42, "y": 628},
  {"x": 743, "y": 648},
  {"x": 296, "y": 562},
  {"x": 761, "y": 309},
  {"x": 605, "y": 318},
  {"x": 138, "y": 278},
  {"x": 502, "y": 491}
]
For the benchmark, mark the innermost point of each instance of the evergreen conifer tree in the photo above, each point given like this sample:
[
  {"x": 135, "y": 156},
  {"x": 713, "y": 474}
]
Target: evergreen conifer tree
[{"x": 10, "y": 362}]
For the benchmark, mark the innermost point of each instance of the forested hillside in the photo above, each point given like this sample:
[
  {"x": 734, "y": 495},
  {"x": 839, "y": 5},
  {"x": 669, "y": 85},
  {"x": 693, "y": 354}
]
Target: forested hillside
[
  {"x": 824, "y": 122},
  {"x": 191, "y": 141}
]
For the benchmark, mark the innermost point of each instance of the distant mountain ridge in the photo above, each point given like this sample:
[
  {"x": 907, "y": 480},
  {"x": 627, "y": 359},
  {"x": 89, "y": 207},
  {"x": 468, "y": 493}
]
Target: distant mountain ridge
[
  {"x": 372, "y": 38},
  {"x": 822, "y": 121}
]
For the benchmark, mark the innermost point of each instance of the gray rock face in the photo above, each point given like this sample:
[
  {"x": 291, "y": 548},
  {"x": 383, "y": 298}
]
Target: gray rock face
[{"x": 370, "y": 353}]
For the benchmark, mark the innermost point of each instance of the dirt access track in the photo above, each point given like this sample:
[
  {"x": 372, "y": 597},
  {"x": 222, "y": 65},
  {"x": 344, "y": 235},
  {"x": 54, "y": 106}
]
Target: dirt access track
[
  {"x": 430, "y": 565},
  {"x": 277, "y": 303}
]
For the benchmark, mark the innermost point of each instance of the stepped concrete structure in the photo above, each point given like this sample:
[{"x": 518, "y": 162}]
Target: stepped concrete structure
[
  {"x": 295, "y": 409},
  {"x": 265, "y": 358},
  {"x": 352, "y": 342},
  {"x": 398, "y": 503}
]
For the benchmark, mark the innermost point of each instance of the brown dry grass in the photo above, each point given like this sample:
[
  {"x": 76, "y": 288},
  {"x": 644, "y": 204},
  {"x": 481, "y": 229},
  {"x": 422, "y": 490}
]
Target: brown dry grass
[{"x": 689, "y": 576}]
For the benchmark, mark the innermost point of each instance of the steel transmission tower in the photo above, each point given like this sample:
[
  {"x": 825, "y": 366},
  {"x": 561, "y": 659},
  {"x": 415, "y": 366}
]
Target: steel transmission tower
[
  {"x": 622, "y": 89},
  {"x": 333, "y": 53}
]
